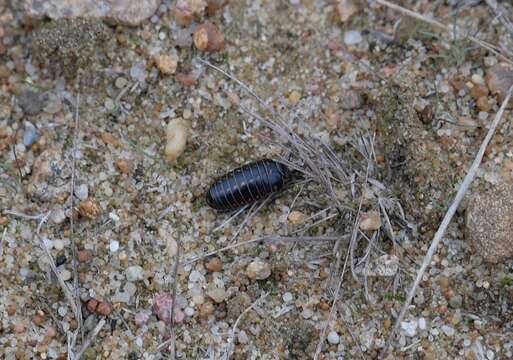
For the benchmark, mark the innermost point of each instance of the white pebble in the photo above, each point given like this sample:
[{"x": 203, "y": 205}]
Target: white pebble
[
  {"x": 58, "y": 244},
  {"x": 189, "y": 311},
  {"x": 422, "y": 324},
  {"x": 307, "y": 313},
  {"x": 243, "y": 337},
  {"x": 352, "y": 37},
  {"x": 409, "y": 328},
  {"x": 82, "y": 192},
  {"x": 109, "y": 104},
  {"x": 490, "y": 355},
  {"x": 449, "y": 331},
  {"x": 62, "y": 311},
  {"x": 258, "y": 270},
  {"x": 114, "y": 246},
  {"x": 333, "y": 338},
  {"x": 134, "y": 273},
  {"x": 287, "y": 297},
  {"x": 176, "y": 134},
  {"x": 65, "y": 275}
]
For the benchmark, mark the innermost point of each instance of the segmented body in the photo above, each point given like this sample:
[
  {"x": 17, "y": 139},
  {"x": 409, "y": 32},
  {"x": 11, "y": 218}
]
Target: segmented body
[{"x": 247, "y": 184}]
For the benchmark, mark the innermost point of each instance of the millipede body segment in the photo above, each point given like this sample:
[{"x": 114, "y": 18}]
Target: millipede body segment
[{"x": 248, "y": 184}]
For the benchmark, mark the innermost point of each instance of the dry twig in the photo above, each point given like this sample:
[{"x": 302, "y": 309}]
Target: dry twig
[
  {"x": 447, "y": 219},
  {"x": 501, "y": 14},
  {"x": 90, "y": 340}
]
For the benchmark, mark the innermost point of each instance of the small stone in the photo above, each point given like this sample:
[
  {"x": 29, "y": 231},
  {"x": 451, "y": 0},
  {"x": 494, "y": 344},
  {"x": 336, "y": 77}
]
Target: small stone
[
  {"x": 114, "y": 246},
  {"x": 346, "y": 9},
  {"x": 59, "y": 260},
  {"x": 296, "y": 217},
  {"x": 352, "y": 37},
  {"x": 206, "y": 309},
  {"x": 214, "y": 6},
  {"x": 409, "y": 328},
  {"x": 90, "y": 209},
  {"x": 30, "y": 135},
  {"x": 176, "y": 134},
  {"x": 109, "y": 104},
  {"x": 478, "y": 91},
  {"x": 142, "y": 317},
  {"x": 84, "y": 255},
  {"x": 483, "y": 104},
  {"x": 82, "y": 192},
  {"x": 477, "y": 79},
  {"x": 189, "y": 311},
  {"x": 215, "y": 265},
  {"x": 121, "y": 82},
  {"x": 456, "y": 301},
  {"x": 287, "y": 297},
  {"x": 370, "y": 221},
  {"x": 186, "y": 11},
  {"x": 218, "y": 294},
  {"x": 138, "y": 71},
  {"x": 294, "y": 97},
  {"x": 162, "y": 307},
  {"x": 104, "y": 309},
  {"x": 134, "y": 273},
  {"x": 448, "y": 330},
  {"x": 333, "y": 338},
  {"x": 65, "y": 275},
  {"x": 166, "y": 64},
  {"x": 258, "y": 270},
  {"x": 422, "y": 324},
  {"x": 207, "y": 37},
  {"x": 243, "y": 337},
  {"x": 499, "y": 79},
  {"x": 54, "y": 104},
  {"x": 124, "y": 166},
  {"x": 91, "y": 305}
]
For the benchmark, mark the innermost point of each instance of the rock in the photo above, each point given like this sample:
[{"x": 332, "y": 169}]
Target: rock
[
  {"x": 142, "y": 317},
  {"x": 90, "y": 208},
  {"x": 30, "y": 101},
  {"x": 206, "y": 309},
  {"x": 207, "y": 37},
  {"x": 370, "y": 221},
  {"x": 214, "y": 6},
  {"x": 333, "y": 338},
  {"x": 499, "y": 79},
  {"x": 50, "y": 175},
  {"x": 162, "y": 307},
  {"x": 128, "y": 12},
  {"x": 218, "y": 294},
  {"x": 91, "y": 305},
  {"x": 448, "y": 330},
  {"x": 215, "y": 265},
  {"x": 166, "y": 64},
  {"x": 294, "y": 97},
  {"x": 104, "y": 309},
  {"x": 134, "y": 273},
  {"x": 483, "y": 104},
  {"x": 489, "y": 223},
  {"x": 385, "y": 265},
  {"x": 84, "y": 255},
  {"x": 296, "y": 217},
  {"x": 346, "y": 9},
  {"x": 409, "y": 328},
  {"x": 352, "y": 37},
  {"x": 114, "y": 246},
  {"x": 258, "y": 270},
  {"x": 351, "y": 100},
  {"x": 177, "y": 132},
  {"x": 30, "y": 135},
  {"x": 186, "y": 11}
]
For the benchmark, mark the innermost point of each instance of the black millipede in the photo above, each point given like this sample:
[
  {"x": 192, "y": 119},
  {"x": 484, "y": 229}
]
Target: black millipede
[{"x": 248, "y": 184}]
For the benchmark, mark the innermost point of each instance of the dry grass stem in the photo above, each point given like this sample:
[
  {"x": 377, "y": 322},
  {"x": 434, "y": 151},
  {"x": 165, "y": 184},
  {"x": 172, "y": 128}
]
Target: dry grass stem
[
  {"x": 462, "y": 190},
  {"x": 231, "y": 340},
  {"x": 501, "y": 14},
  {"x": 90, "y": 339}
]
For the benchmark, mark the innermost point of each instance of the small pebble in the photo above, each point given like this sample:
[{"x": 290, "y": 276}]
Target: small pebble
[
  {"x": 58, "y": 244},
  {"x": 84, "y": 255},
  {"x": 19, "y": 327},
  {"x": 176, "y": 134},
  {"x": 82, "y": 192},
  {"x": 258, "y": 270},
  {"x": 477, "y": 79},
  {"x": 294, "y": 97},
  {"x": 296, "y": 217},
  {"x": 448, "y": 330},
  {"x": 370, "y": 221},
  {"x": 65, "y": 275},
  {"x": 91, "y": 305},
  {"x": 287, "y": 297},
  {"x": 217, "y": 294},
  {"x": 142, "y": 317},
  {"x": 352, "y": 37},
  {"x": 109, "y": 104},
  {"x": 90, "y": 208},
  {"x": 59, "y": 260},
  {"x": 166, "y": 64},
  {"x": 134, "y": 273},
  {"x": 206, "y": 309},
  {"x": 333, "y": 338},
  {"x": 409, "y": 328},
  {"x": 346, "y": 9},
  {"x": 30, "y": 136},
  {"x": 207, "y": 37},
  {"x": 104, "y": 309},
  {"x": 215, "y": 265},
  {"x": 38, "y": 320},
  {"x": 121, "y": 82},
  {"x": 189, "y": 311},
  {"x": 114, "y": 246}
]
